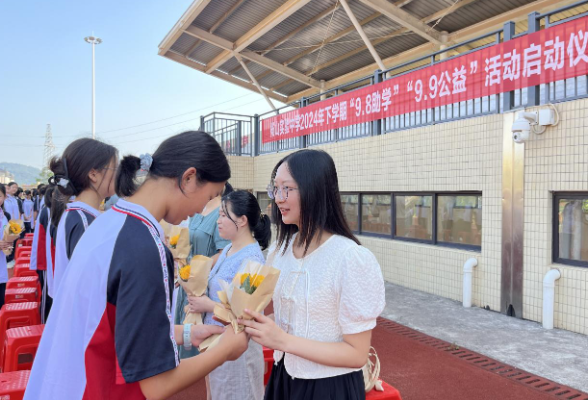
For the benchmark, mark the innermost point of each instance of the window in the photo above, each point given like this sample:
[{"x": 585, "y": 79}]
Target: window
[
  {"x": 265, "y": 203},
  {"x": 571, "y": 229},
  {"x": 414, "y": 217},
  {"x": 459, "y": 219},
  {"x": 376, "y": 214},
  {"x": 351, "y": 210}
]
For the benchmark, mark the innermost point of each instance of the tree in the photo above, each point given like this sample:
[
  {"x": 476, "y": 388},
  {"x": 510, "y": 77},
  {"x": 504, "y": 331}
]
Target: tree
[{"x": 45, "y": 174}]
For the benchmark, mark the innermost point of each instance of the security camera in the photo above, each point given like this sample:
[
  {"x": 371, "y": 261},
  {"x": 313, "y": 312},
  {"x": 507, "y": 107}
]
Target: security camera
[
  {"x": 521, "y": 128},
  {"x": 530, "y": 121}
]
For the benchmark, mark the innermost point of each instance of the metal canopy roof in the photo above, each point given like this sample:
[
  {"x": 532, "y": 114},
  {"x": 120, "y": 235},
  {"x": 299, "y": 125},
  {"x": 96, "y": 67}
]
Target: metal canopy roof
[{"x": 288, "y": 49}]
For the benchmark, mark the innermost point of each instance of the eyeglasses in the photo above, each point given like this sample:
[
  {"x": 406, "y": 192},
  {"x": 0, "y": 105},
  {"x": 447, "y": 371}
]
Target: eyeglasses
[{"x": 274, "y": 191}]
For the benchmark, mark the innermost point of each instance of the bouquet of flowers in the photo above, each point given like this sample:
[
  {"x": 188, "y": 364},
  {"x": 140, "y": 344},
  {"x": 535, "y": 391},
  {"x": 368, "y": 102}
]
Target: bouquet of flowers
[
  {"x": 250, "y": 289},
  {"x": 12, "y": 232},
  {"x": 194, "y": 280},
  {"x": 178, "y": 239}
]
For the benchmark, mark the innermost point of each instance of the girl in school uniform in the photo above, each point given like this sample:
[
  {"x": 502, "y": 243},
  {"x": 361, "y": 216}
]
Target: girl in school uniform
[
  {"x": 4, "y": 218},
  {"x": 249, "y": 231},
  {"x": 42, "y": 252},
  {"x": 330, "y": 290},
  {"x": 111, "y": 335},
  {"x": 85, "y": 172},
  {"x": 27, "y": 214}
]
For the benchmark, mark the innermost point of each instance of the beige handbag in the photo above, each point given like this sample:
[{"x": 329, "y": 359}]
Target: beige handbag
[{"x": 371, "y": 372}]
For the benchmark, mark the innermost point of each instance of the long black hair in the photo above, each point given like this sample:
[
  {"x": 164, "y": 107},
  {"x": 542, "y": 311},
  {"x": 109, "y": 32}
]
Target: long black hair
[
  {"x": 173, "y": 157},
  {"x": 243, "y": 203},
  {"x": 3, "y": 190},
  {"x": 320, "y": 201},
  {"x": 71, "y": 170}
]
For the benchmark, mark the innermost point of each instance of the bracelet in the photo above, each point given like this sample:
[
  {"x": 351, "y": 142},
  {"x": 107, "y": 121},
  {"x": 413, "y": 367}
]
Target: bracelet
[{"x": 187, "y": 341}]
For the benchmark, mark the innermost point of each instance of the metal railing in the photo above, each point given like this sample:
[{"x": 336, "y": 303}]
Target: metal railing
[
  {"x": 563, "y": 90},
  {"x": 232, "y": 131}
]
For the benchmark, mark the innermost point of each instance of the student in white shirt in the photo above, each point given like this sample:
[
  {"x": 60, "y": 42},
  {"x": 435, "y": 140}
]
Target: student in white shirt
[
  {"x": 3, "y": 245},
  {"x": 111, "y": 334},
  {"x": 85, "y": 171},
  {"x": 28, "y": 210},
  {"x": 330, "y": 290}
]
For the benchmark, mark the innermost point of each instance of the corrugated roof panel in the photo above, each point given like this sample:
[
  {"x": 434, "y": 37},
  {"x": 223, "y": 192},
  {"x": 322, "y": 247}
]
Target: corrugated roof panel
[
  {"x": 251, "y": 13},
  {"x": 255, "y": 69},
  {"x": 183, "y": 43},
  {"x": 297, "y": 19},
  {"x": 205, "y": 52},
  {"x": 423, "y": 8},
  {"x": 292, "y": 88},
  {"x": 273, "y": 80},
  {"x": 230, "y": 65},
  {"x": 212, "y": 13},
  {"x": 351, "y": 64},
  {"x": 477, "y": 12},
  {"x": 399, "y": 44}
]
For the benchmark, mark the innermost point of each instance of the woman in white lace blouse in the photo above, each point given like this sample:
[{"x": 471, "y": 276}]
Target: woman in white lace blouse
[{"x": 330, "y": 289}]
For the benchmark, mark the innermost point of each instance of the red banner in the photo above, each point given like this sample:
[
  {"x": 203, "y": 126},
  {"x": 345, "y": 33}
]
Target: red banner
[{"x": 550, "y": 55}]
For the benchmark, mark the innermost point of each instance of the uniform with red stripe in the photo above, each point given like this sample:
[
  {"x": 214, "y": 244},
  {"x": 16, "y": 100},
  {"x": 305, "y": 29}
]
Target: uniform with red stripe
[{"x": 111, "y": 325}]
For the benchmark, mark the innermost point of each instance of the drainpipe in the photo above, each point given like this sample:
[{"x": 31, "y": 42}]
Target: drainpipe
[
  {"x": 468, "y": 270},
  {"x": 549, "y": 297}
]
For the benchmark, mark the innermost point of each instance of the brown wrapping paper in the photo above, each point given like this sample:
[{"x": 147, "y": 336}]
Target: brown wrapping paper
[
  {"x": 235, "y": 300},
  {"x": 196, "y": 284},
  {"x": 182, "y": 249},
  {"x": 9, "y": 237}
]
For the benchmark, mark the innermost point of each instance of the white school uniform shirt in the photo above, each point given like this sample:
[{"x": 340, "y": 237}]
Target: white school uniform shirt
[
  {"x": 27, "y": 209},
  {"x": 73, "y": 223},
  {"x": 11, "y": 207},
  {"x": 111, "y": 325},
  {"x": 49, "y": 254},
  {"x": 336, "y": 290},
  {"x": 3, "y": 264}
]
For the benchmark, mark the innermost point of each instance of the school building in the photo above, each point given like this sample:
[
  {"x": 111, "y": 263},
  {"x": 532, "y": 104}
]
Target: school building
[{"x": 458, "y": 129}]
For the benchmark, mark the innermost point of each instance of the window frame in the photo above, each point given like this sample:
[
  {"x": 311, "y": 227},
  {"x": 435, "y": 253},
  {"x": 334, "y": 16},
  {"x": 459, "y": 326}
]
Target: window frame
[
  {"x": 557, "y": 196},
  {"x": 434, "y": 213},
  {"x": 469, "y": 247},
  {"x": 360, "y": 214},
  {"x": 358, "y": 221}
]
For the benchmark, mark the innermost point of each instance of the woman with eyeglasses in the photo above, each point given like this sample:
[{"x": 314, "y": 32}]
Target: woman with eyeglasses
[{"x": 330, "y": 289}]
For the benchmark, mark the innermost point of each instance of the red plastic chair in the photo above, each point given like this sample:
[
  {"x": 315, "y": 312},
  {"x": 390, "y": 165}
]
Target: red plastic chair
[
  {"x": 18, "y": 314},
  {"x": 389, "y": 393},
  {"x": 20, "y": 347},
  {"x": 29, "y": 235},
  {"x": 268, "y": 359},
  {"x": 21, "y": 295},
  {"x": 13, "y": 384},
  {"x": 25, "y": 281},
  {"x": 24, "y": 242},
  {"x": 22, "y": 270},
  {"x": 22, "y": 250}
]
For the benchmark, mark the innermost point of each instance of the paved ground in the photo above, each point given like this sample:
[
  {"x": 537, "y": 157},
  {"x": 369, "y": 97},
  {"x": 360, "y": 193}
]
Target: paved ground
[{"x": 556, "y": 354}]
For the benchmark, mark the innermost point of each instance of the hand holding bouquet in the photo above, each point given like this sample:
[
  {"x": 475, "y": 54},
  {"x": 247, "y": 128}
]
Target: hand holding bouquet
[
  {"x": 194, "y": 279},
  {"x": 12, "y": 232},
  {"x": 250, "y": 289}
]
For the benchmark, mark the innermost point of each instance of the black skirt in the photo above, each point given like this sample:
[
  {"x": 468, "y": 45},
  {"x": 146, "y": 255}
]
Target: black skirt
[{"x": 281, "y": 386}]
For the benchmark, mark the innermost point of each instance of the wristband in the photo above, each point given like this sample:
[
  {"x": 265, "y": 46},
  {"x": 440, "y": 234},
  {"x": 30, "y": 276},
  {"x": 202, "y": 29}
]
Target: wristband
[{"x": 187, "y": 341}]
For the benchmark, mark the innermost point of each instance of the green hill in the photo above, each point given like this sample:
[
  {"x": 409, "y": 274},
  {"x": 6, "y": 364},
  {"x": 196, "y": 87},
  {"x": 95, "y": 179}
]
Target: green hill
[{"x": 23, "y": 174}]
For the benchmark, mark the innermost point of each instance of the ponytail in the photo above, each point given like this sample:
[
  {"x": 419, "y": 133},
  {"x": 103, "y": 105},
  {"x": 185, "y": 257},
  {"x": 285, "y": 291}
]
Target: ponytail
[
  {"x": 262, "y": 232},
  {"x": 243, "y": 203},
  {"x": 71, "y": 171},
  {"x": 191, "y": 149}
]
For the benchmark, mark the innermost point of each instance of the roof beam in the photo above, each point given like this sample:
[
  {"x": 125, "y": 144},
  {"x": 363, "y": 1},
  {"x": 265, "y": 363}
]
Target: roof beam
[
  {"x": 226, "y": 45},
  {"x": 240, "y": 59},
  {"x": 276, "y": 66},
  {"x": 516, "y": 15},
  {"x": 268, "y": 23},
  {"x": 284, "y": 38},
  {"x": 244, "y": 84},
  {"x": 186, "y": 19},
  {"x": 364, "y": 37},
  {"x": 405, "y": 19}
]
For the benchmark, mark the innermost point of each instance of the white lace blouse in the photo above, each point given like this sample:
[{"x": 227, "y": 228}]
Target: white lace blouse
[{"x": 336, "y": 290}]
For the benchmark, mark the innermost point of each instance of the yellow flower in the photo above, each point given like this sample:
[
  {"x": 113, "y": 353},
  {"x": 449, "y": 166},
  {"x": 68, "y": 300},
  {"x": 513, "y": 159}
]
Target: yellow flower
[
  {"x": 257, "y": 280},
  {"x": 249, "y": 286},
  {"x": 15, "y": 228},
  {"x": 185, "y": 272},
  {"x": 243, "y": 277},
  {"x": 173, "y": 242}
]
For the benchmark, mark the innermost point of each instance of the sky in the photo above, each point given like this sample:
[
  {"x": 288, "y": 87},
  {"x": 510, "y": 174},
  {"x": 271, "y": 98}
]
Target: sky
[{"x": 46, "y": 77}]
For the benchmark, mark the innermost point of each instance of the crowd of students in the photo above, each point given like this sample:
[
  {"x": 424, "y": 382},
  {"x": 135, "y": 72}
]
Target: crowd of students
[{"x": 108, "y": 277}]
